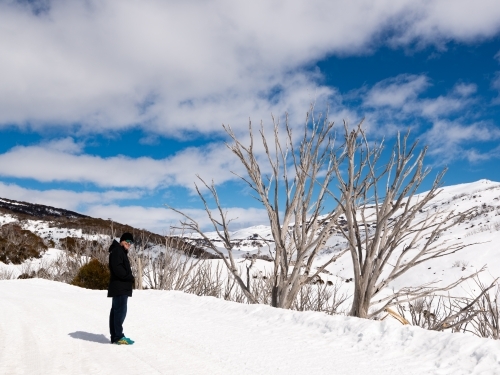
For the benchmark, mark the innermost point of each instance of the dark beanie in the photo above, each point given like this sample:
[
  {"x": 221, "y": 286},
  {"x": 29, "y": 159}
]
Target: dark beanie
[{"x": 127, "y": 237}]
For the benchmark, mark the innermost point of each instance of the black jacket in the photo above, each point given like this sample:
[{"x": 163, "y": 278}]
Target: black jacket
[{"x": 121, "y": 280}]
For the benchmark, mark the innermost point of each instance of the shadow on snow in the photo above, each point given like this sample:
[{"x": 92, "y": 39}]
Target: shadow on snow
[{"x": 101, "y": 339}]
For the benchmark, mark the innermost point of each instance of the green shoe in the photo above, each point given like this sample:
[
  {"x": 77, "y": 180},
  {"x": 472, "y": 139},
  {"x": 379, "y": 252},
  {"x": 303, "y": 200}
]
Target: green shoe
[{"x": 124, "y": 341}]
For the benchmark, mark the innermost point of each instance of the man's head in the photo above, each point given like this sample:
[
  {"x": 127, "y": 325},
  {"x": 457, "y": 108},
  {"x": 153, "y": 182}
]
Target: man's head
[{"x": 127, "y": 240}]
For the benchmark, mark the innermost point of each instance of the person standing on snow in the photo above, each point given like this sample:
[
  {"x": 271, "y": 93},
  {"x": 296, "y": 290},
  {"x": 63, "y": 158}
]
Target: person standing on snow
[{"x": 121, "y": 282}]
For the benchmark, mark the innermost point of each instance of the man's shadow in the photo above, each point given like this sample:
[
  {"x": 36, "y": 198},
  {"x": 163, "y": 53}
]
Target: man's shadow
[{"x": 101, "y": 339}]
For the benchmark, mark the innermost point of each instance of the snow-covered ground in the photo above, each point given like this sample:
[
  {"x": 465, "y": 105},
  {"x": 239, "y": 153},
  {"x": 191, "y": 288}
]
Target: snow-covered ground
[
  {"x": 53, "y": 328},
  {"x": 13, "y": 271}
]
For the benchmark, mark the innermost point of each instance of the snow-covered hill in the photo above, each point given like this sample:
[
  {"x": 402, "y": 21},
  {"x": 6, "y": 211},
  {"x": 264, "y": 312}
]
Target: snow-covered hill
[
  {"x": 52, "y": 224},
  {"x": 53, "y": 328},
  {"x": 481, "y": 234},
  {"x": 37, "y": 210}
]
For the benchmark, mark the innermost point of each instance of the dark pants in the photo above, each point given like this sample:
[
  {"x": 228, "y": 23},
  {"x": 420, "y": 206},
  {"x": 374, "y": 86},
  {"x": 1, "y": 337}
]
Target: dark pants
[{"x": 117, "y": 316}]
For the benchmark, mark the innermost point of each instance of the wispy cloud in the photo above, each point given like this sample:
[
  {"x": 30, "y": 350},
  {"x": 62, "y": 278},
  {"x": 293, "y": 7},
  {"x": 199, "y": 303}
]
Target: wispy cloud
[
  {"x": 451, "y": 140},
  {"x": 495, "y": 84},
  {"x": 450, "y": 124},
  {"x": 401, "y": 97},
  {"x": 460, "y": 98},
  {"x": 64, "y": 145},
  {"x": 396, "y": 92},
  {"x": 67, "y": 199},
  {"x": 61, "y": 161},
  {"x": 160, "y": 220}
]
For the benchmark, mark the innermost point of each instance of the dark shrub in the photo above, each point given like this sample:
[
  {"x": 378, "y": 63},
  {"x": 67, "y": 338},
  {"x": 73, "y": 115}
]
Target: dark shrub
[
  {"x": 69, "y": 243},
  {"x": 18, "y": 245},
  {"x": 93, "y": 275},
  {"x": 26, "y": 276}
]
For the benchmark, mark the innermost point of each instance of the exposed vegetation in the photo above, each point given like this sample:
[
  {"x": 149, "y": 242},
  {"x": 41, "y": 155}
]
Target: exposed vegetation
[
  {"x": 93, "y": 275},
  {"x": 18, "y": 245}
]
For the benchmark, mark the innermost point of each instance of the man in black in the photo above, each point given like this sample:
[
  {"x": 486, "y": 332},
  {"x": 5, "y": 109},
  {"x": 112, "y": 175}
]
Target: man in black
[{"x": 120, "y": 287}]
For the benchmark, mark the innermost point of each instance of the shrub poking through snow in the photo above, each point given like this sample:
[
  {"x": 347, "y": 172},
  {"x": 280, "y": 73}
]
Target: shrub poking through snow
[
  {"x": 93, "y": 275},
  {"x": 26, "y": 276},
  {"x": 18, "y": 245}
]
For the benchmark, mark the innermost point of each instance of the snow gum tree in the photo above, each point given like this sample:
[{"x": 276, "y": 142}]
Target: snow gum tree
[
  {"x": 307, "y": 183},
  {"x": 390, "y": 229},
  {"x": 294, "y": 192}
]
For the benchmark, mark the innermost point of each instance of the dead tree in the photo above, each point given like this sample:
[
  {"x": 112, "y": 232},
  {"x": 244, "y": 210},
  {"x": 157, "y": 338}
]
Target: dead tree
[
  {"x": 390, "y": 229},
  {"x": 295, "y": 194},
  {"x": 141, "y": 242}
]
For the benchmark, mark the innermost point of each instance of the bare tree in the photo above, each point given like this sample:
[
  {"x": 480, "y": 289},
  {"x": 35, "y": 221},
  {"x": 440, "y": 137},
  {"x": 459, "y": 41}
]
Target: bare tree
[
  {"x": 295, "y": 194},
  {"x": 136, "y": 256},
  {"x": 390, "y": 229}
]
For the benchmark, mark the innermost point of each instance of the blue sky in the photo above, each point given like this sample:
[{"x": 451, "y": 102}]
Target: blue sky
[{"x": 111, "y": 108}]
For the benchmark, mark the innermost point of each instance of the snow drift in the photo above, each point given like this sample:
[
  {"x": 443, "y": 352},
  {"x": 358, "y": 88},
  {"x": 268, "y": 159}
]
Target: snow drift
[{"x": 54, "y": 328}]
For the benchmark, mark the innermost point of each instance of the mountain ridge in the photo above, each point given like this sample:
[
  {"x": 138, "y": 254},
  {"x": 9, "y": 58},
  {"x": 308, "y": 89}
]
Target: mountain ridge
[{"x": 36, "y": 210}]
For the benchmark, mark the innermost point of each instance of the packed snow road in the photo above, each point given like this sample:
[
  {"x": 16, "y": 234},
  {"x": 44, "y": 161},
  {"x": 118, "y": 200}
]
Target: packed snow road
[{"x": 53, "y": 328}]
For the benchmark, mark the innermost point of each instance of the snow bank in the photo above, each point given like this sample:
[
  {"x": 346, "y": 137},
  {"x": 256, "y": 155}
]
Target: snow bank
[{"x": 53, "y": 328}]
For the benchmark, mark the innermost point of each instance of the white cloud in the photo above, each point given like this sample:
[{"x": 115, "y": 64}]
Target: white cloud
[
  {"x": 447, "y": 139},
  {"x": 398, "y": 104},
  {"x": 57, "y": 162},
  {"x": 396, "y": 92},
  {"x": 496, "y": 81},
  {"x": 399, "y": 98},
  {"x": 160, "y": 220},
  {"x": 177, "y": 66},
  {"x": 495, "y": 84},
  {"x": 69, "y": 200},
  {"x": 465, "y": 89},
  {"x": 430, "y": 22},
  {"x": 67, "y": 144},
  {"x": 457, "y": 101}
]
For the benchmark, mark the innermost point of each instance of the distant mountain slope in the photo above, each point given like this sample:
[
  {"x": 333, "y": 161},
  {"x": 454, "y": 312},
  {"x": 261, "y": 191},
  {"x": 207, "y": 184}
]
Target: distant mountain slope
[
  {"x": 58, "y": 217},
  {"x": 54, "y": 225},
  {"x": 36, "y": 211}
]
